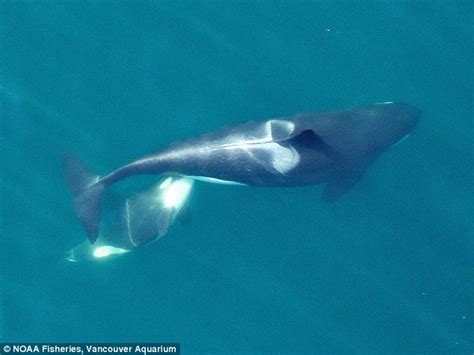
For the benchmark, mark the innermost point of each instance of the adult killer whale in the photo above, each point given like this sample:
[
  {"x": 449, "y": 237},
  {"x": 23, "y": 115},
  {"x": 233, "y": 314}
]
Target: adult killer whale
[{"x": 310, "y": 148}]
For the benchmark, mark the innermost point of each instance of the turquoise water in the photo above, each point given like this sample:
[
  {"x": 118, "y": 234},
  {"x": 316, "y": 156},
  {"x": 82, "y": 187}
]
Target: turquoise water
[{"x": 388, "y": 268}]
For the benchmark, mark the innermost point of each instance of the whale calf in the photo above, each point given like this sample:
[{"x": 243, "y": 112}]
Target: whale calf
[
  {"x": 309, "y": 148},
  {"x": 137, "y": 220}
]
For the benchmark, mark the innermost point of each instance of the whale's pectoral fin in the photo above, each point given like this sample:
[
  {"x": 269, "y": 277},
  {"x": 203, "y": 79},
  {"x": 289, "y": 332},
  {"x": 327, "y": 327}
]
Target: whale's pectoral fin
[
  {"x": 184, "y": 216},
  {"x": 336, "y": 188},
  {"x": 145, "y": 226}
]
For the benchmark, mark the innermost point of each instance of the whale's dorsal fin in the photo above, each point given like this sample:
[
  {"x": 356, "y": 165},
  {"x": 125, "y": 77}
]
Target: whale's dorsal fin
[{"x": 310, "y": 140}]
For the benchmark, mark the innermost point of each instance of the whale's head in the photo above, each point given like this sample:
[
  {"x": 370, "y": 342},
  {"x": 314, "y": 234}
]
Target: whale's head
[{"x": 389, "y": 123}]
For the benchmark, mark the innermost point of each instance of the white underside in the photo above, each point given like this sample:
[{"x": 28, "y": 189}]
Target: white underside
[{"x": 214, "y": 180}]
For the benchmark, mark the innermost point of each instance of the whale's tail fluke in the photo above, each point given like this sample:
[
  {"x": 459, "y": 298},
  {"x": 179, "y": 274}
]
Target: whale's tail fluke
[{"x": 87, "y": 191}]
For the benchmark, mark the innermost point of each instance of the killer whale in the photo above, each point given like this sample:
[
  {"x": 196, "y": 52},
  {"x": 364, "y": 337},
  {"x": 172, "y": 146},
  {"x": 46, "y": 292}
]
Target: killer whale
[
  {"x": 137, "y": 220},
  {"x": 310, "y": 148}
]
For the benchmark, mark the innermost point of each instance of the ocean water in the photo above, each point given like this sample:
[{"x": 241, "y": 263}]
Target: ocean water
[{"x": 386, "y": 269}]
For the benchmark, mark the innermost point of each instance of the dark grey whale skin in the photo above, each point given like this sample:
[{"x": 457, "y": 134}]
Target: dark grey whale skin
[{"x": 311, "y": 148}]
